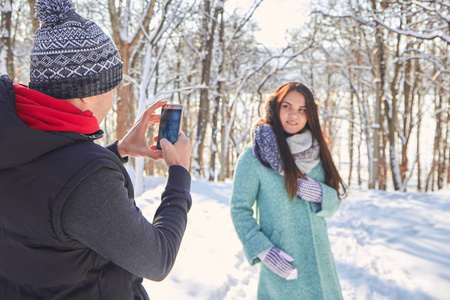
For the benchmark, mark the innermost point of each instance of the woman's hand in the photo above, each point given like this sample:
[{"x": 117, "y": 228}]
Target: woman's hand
[{"x": 278, "y": 262}]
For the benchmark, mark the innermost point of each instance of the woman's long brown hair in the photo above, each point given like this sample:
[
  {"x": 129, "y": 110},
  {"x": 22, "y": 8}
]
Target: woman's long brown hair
[{"x": 291, "y": 171}]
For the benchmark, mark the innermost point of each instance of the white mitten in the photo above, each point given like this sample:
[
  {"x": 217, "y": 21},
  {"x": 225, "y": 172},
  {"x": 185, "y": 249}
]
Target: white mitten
[
  {"x": 278, "y": 262},
  {"x": 309, "y": 190}
]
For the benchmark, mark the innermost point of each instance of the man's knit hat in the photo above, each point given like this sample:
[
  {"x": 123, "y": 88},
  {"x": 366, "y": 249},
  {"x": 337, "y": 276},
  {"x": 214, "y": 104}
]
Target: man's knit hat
[{"x": 71, "y": 56}]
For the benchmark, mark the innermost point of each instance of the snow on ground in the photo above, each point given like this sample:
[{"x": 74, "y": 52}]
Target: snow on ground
[{"x": 387, "y": 245}]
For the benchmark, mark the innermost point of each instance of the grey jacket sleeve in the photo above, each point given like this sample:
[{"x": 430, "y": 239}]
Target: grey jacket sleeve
[{"x": 99, "y": 214}]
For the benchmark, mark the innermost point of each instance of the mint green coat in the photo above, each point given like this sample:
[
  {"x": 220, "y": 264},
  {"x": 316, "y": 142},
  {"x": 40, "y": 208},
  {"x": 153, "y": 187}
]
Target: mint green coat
[{"x": 297, "y": 227}]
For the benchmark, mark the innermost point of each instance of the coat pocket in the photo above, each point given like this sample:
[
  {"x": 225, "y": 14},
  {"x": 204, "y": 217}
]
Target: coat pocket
[{"x": 275, "y": 238}]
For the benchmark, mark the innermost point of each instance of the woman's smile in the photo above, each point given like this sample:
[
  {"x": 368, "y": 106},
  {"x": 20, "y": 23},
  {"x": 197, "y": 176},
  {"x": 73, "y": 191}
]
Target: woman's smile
[{"x": 293, "y": 116}]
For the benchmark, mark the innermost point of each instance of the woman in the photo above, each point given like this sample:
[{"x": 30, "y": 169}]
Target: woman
[{"x": 290, "y": 174}]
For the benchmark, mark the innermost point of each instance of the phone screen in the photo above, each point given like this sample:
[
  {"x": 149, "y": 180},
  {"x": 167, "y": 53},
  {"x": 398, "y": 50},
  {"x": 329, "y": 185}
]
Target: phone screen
[{"x": 169, "y": 126}]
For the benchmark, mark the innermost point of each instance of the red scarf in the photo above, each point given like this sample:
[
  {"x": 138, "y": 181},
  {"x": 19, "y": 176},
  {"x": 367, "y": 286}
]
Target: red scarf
[{"x": 42, "y": 112}]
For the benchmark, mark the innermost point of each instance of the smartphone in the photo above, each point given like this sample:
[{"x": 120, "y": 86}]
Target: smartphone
[{"x": 169, "y": 126}]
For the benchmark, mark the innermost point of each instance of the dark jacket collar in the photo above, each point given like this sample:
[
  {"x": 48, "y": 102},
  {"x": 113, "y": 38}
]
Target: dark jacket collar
[{"x": 20, "y": 144}]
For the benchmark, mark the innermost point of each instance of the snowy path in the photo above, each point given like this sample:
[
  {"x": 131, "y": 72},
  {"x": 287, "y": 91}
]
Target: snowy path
[{"x": 386, "y": 246}]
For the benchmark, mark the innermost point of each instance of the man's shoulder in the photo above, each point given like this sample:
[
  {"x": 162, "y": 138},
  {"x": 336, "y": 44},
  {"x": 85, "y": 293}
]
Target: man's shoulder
[
  {"x": 85, "y": 150},
  {"x": 6, "y": 88},
  {"x": 64, "y": 162}
]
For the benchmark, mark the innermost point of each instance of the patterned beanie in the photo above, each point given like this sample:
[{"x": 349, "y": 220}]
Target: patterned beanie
[{"x": 71, "y": 56}]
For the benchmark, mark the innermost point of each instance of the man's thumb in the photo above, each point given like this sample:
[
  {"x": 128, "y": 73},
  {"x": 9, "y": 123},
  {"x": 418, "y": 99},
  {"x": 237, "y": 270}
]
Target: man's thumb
[
  {"x": 164, "y": 143},
  {"x": 166, "y": 146}
]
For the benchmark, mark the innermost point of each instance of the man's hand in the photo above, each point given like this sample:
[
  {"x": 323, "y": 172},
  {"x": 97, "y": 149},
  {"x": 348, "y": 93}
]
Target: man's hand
[
  {"x": 178, "y": 153},
  {"x": 134, "y": 143}
]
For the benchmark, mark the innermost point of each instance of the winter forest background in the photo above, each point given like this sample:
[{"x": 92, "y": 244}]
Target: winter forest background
[
  {"x": 380, "y": 73},
  {"x": 378, "y": 69}
]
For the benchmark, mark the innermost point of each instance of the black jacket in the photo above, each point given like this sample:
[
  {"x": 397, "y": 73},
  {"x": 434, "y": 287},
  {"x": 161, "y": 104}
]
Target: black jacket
[{"x": 38, "y": 171}]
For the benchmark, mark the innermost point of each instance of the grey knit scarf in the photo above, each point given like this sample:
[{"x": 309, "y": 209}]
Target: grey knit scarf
[{"x": 303, "y": 146}]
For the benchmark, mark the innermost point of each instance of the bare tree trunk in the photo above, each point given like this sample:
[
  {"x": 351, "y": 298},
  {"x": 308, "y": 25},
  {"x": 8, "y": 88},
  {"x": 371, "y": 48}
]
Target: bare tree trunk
[
  {"x": 202, "y": 119},
  {"x": 442, "y": 159},
  {"x": 407, "y": 96},
  {"x": 125, "y": 103},
  {"x": 185, "y": 124},
  {"x": 447, "y": 139},
  {"x": 390, "y": 109},
  {"x": 381, "y": 65},
  {"x": 328, "y": 123},
  {"x": 419, "y": 126},
  {"x": 150, "y": 166},
  {"x": 209, "y": 27},
  {"x": 214, "y": 131},
  {"x": 391, "y": 114},
  {"x": 359, "y": 160},
  {"x": 351, "y": 138},
  {"x": 33, "y": 18},
  {"x": 224, "y": 144},
  {"x": 217, "y": 100},
  {"x": 380, "y": 141},
  {"x": 118, "y": 13},
  {"x": 437, "y": 139},
  {"x": 429, "y": 180},
  {"x": 444, "y": 120},
  {"x": 6, "y": 40}
]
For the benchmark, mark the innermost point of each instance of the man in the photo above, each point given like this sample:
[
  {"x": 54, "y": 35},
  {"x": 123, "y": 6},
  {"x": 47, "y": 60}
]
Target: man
[{"x": 69, "y": 226}]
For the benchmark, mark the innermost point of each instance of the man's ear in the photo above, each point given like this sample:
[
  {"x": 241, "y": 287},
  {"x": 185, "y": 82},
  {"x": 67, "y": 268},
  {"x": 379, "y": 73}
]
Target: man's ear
[
  {"x": 80, "y": 103},
  {"x": 85, "y": 100}
]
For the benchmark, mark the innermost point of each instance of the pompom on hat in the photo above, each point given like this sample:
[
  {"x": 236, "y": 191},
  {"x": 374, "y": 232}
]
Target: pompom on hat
[{"x": 71, "y": 57}]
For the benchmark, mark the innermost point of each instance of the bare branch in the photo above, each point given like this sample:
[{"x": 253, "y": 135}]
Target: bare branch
[
  {"x": 145, "y": 20},
  {"x": 441, "y": 35},
  {"x": 356, "y": 18},
  {"x": 411, "y": 33},
  {"x": 249, "y": 15},
  {"x": 426, "y": 7}
]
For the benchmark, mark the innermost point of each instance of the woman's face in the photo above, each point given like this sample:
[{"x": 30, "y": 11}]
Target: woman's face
[{"x": 293, "y": 112}]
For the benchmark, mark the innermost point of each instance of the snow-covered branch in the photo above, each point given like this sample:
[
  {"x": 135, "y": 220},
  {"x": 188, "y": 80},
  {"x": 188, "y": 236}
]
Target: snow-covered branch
[
  {"x": 411, "y": 33},
  {"x": 354, "y": 17},
  {"x": 145, "y": 21},
  {"x": 377, "y": 20},
  {"x": 428, "y": 8},
  {"x": 200, "y": 55},
  {"x": 327, "y": 115},
  {"x": 249, "y": 14},
  {"x": 425, "y": 57}
]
